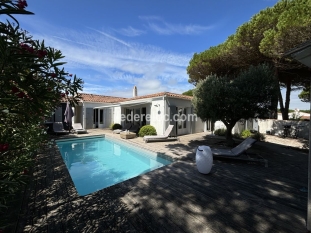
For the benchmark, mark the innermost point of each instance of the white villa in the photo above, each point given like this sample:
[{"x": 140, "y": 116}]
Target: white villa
[{"x": 159, "y": 110}]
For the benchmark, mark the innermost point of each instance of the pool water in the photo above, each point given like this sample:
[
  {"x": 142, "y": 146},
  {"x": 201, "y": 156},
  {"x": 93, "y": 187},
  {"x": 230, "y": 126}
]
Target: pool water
[{"x": 99, "y": 162}]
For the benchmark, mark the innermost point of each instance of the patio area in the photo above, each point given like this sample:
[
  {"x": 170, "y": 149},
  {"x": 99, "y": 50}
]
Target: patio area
[{"x": 234, "y": 197}]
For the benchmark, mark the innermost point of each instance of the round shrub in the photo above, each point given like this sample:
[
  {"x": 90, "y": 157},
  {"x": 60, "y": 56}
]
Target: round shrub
[
  {"x": 246, "y": 133},
  {"x": 258, "y": 136},
  {"x": 116, "y": 126},
  {"x": 220, "y": 132},
  {"x": 236, "y": 135},
  {"x": 147, "y": 130}
]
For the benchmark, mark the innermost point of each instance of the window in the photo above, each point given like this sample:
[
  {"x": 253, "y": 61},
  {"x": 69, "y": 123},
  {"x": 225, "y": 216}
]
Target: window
[
  {"x": 182, "y": 118},
  {"x": 101, "y": 116}
]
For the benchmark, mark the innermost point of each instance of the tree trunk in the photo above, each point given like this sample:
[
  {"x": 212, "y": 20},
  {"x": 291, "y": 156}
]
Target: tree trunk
[
  {"x": 229, "y": 139},
  {"x": 275, "y": 99},
  {"x": 287, "y": 98}
]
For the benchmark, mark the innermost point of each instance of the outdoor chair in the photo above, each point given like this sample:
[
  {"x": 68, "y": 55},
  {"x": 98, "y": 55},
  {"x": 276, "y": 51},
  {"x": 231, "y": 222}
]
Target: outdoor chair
[
  {"x": 77, "y": 127},
  {"x": 127, "y": 126},
  {"x": 238, "y": 151},
  {"x": 134, "y": 129},
  {"x": 58, "y": 127},
  {"x": 161, "y": 137}
]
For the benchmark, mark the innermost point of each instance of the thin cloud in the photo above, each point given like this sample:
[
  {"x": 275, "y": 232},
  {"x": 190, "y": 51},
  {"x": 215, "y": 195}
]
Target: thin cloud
[
  {"x": 159, "y": 26},
  {"x": 111, "y": 37},
  {"x": 106, "y": 61},
  {"x": 130, "y": 31},
  {"x": 73, "y": 41}
]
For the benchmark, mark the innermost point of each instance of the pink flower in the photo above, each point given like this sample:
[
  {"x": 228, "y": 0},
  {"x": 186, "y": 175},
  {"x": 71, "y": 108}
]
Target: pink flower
[
  {"x": 4, "y": 147},
  {"x": 22, "y": 4},
  {"x": 15, "y": 90},
  {"x": 21, "y": 95},
  {"x": 70, "y": 75},
  {"x": 53, "y": 75},
  {"x": 18, "y": 92},
  {"x": 41, "y": 53},
  {"x": 62, "y": 95}
]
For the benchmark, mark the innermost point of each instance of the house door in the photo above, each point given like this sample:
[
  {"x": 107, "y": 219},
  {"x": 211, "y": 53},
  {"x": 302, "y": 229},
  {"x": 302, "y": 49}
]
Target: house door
[
  {"x": 89, "y": 118},
  {"x": 143, "y": 117},
  {"x": 173, "y": 120},
  {"x": 182, "y": 121},
  {"x": 107, "y": 117},
  {"x": 58, "y": 114}
]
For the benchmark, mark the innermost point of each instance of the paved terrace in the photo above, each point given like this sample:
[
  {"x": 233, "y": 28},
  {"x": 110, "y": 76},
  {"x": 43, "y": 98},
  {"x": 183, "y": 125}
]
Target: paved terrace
[{"x": 234, "y": 197}]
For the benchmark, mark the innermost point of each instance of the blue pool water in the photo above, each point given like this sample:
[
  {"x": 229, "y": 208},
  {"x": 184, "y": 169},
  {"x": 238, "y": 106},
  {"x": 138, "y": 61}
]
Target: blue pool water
[{"x": 98, "y": 162}]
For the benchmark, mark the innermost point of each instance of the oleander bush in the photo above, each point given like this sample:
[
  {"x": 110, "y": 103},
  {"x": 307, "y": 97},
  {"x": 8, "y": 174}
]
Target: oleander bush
[
  {"x": 116, "y": 126},
  {"x": 220, "y": 132},
  {"x": 147, "y": 130},
  {"x": 33, "y": 83}
]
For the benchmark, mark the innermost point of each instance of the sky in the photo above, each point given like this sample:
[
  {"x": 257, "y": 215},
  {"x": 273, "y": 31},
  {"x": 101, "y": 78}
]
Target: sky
[{"x": 116, "y": 44}]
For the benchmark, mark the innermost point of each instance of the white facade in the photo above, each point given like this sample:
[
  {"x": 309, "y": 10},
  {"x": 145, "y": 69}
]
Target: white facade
[{"x": 160, "y": 112}]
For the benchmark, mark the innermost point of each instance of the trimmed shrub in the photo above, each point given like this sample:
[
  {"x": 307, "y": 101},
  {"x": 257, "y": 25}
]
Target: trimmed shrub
[
  {"x": 246, "y": 133},
  {"x": 236, "y": 135},
  {"x": 258, "y": 136},
  {"x": 220, "y": 132},
  {"x": 147, "y": 130},
  {"x": 116, "y": 126}
]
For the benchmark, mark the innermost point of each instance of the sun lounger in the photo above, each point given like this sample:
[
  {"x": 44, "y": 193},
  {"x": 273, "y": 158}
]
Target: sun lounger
[
  {"x": 77, "y": 127},
  {"x": 58, "y": 127},
  {"x": 161, "y": 137},
  {"x": 238, "y": 151}
]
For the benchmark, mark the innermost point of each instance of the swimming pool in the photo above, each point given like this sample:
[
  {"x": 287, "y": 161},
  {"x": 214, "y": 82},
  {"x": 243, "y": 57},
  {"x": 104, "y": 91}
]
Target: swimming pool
[{"x": 95, "y": 163}]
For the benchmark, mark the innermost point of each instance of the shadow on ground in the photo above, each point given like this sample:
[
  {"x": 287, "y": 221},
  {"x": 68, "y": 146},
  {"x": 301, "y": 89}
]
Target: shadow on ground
[{"x": 234, "y": 197}]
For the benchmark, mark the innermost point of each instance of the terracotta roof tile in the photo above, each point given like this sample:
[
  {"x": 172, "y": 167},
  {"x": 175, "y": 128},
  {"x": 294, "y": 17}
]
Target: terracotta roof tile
[
  {"x": 100, "y": 98},
  {"x": 112, "y": 99},
  {"x": 179, "y": 96}
]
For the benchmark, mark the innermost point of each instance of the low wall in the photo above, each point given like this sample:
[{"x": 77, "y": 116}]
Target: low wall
[{"x": 275, "y": 127}]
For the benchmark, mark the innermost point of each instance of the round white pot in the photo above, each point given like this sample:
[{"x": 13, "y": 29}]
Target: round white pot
[{"x": 204, "y": 159}]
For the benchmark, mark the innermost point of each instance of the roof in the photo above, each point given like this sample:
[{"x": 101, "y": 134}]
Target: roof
[
  {"x": 305, "y": 118},
  {"x": 100, "y": 98},
  {"x": 300, "y": 47},
  {"x": 160, "y": 94},
  {"x": 111, "y": 99}
]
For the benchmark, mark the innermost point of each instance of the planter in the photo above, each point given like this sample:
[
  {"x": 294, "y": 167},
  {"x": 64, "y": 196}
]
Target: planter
[{"x": 204, "y": 159}]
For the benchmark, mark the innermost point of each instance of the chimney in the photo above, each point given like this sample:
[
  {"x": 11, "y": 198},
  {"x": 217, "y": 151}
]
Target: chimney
[{"x": 135, "y": 91}]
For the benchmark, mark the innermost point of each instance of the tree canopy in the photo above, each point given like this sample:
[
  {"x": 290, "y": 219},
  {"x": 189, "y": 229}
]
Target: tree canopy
[
  {"x": 264, "y": 39},
  {"x": 248, "y": 95},
  {"x": 189, "y": 92}
]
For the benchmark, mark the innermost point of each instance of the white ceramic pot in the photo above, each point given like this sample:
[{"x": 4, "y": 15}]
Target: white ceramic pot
[{"x": 204, "y": 159}]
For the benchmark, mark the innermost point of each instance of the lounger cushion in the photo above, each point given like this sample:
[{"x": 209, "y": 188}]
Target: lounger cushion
[{"x": 78, "y": 128}]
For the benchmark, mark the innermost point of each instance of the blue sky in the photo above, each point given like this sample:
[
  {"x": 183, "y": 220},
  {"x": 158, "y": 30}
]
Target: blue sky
[{"x": 114, "y": 45}]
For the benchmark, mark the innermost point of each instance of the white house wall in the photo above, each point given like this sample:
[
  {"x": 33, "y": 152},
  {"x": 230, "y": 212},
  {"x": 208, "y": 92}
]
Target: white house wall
[
  {"x": 157, "y": 116},
  {"x": 198, "y": 126},
  {"x": 116, "y": 115},
  {"x": 88, "y": 121},
  {"x": 78, "y": 117},
  {"x": 190, "y": 125}
]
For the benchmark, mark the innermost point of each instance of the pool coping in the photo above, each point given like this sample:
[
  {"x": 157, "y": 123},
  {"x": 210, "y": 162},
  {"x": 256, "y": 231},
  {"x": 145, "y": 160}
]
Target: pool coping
[{"x": 127, "y": 142}]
